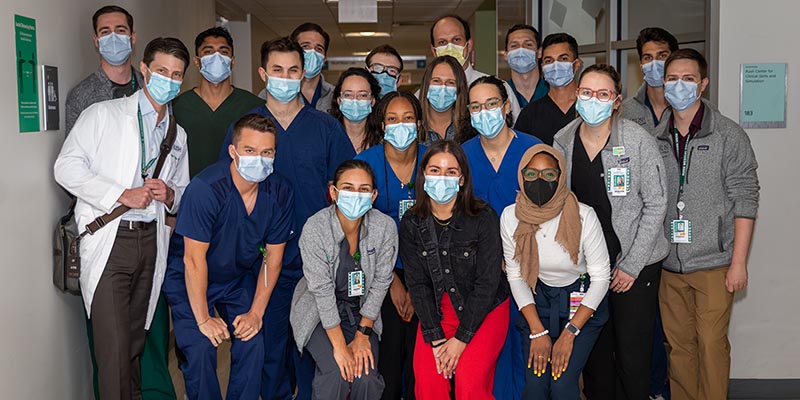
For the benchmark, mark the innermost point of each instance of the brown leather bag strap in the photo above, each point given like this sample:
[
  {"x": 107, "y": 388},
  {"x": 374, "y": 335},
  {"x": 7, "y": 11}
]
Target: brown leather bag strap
[{"x": 166, "y": 147}]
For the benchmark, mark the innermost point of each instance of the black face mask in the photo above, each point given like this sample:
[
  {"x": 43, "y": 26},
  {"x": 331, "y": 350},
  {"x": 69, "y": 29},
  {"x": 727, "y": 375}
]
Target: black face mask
[{"x": 540, "y": 191}]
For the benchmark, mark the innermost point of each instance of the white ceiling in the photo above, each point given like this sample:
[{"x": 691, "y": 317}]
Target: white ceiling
[{"x": 408, "y": 21}]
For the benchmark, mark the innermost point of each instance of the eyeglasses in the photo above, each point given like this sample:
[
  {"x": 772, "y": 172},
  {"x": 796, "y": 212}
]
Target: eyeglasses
[
  {"x": 603, "y": 95},
  {"x": 490, "y": 104},
  {"x": 380, "y": 68},
  {"x": 362, "y": 95},
  {"x": 548, "y": 174}
]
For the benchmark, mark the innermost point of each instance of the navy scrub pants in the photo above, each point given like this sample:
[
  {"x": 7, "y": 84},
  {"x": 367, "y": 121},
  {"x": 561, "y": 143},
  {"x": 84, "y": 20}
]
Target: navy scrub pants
[
  {"x": 199, "y": 368},
  {"x": 284, "y": 368},
  {"x": 552, "y": 305}
]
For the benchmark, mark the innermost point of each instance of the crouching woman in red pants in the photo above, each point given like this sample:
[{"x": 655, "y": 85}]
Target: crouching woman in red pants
[{"x": 452, "y": 254}]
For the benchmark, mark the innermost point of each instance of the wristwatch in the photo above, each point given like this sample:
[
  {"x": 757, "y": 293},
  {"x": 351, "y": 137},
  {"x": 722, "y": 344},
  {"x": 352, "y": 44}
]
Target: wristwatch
[
  {"x": 367, "y": 331},
  {"x": 574, "y": 330}
]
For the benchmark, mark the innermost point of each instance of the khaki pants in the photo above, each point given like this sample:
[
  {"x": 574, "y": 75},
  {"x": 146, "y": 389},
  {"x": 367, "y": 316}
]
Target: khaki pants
[{"x": 696, "y": 312}]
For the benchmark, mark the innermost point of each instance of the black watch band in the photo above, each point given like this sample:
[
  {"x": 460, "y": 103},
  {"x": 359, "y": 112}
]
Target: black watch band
[{"x": 367, "y": 331}]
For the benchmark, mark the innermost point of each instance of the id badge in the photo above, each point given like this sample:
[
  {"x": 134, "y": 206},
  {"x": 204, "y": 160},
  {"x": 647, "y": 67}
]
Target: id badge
[
  {"x": 618, "y": 181},
  {"x": 575, "y": 299},
  {"x": 355, "y": 283},
  {"x": 404, "y": 206},
  {"x": 681, "y": 231}
]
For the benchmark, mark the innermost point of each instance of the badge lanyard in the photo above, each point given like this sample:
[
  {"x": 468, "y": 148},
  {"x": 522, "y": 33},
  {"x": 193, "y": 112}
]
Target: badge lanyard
[
  {"x": 145, "y": 164},
  {"x": 386, "y": 181},
  {"x": 684, "y": 164}
]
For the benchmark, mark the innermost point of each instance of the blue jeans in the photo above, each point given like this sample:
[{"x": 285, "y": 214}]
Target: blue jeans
[{"x": 552, "y": 305}]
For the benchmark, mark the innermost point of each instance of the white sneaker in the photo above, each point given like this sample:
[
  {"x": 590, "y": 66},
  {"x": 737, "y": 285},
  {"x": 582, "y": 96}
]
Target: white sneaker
[{"x": 657, "y": 397}]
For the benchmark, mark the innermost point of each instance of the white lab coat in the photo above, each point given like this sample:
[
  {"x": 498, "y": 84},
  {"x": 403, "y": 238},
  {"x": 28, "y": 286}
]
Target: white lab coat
[{"x": 98, "y": 161}]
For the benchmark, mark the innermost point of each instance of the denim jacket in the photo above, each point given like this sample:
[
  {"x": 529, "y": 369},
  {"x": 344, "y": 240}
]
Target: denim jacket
[{"x": 466, "y": 262}]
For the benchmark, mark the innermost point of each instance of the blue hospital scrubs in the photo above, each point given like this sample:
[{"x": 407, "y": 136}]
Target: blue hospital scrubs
[
  {"x": 308, "y": 153},
  {"x": 499, "y": 189},
  {"x": 212, "y": 211}
]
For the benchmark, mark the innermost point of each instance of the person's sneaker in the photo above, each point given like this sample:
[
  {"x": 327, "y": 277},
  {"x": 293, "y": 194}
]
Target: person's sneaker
[{"x": 657, "y": 397}]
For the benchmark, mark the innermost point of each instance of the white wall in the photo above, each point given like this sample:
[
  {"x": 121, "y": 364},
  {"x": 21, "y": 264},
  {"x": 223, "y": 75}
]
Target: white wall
[
  {"x": 44, "y": 353},
  {"x": 242, "y": 70},
  {"x": 765, "y": 325}
]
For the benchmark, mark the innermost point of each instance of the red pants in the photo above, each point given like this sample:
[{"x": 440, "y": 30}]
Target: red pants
[{"x": 474, "y": 375}]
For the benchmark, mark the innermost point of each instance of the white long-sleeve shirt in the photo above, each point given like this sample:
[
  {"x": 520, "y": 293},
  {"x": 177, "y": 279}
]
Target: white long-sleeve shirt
[{"x": 555, "y": 265}]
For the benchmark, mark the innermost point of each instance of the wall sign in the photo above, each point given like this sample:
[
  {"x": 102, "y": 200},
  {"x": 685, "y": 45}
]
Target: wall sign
[
  {"x": 50, "y": 97},
  {"x": 27, "y": 87},
  {"x": 763, "y": 89}
]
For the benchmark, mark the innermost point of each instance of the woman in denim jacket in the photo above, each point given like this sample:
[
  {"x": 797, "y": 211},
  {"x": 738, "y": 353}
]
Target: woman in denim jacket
[{"x": 452, "y": 253}]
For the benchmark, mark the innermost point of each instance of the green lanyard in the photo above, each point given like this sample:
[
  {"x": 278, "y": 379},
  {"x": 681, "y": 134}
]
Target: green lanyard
[
  {"x": 145, "y": 164},
  {"x": 685, "y": 158}
]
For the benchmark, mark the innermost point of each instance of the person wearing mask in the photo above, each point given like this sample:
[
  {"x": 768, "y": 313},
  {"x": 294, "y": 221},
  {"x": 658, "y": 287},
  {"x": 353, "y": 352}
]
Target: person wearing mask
[
  {"x": 385, "y": 64},
  {"x": 354, "y": 97},
  {"x": 114, "y": 38},
  {"x": 443, "y": 97},
  {"x": 452, "y": 253},
  {"x": 316, "y": 92},
  {"x": 493, "y": 157},
  {"x": 558, "y": 269},
  {"x": 450, "y": 36},
  {"x": 314, "y": 145},
  {"x": 395, "y": 163},
  {"x": 613, "y": 165},
  {"x": 523, "y": 44},
  {"x": 713, "y": 195},
  {"x": 225, "y": 255},
  {"x": 123, "y": 263},
  {"x": 649, "y": 108},
  {"x": 545, "y": 117},
  {"x": 337, "y": 304},
  {"x": 208, "y": 110}
]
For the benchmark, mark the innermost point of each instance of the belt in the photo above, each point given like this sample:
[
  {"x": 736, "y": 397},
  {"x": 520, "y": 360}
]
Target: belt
[{"x": 136, "y": 225}]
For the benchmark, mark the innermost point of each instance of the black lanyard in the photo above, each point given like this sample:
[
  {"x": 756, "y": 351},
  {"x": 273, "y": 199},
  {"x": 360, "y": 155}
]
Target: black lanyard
[
  {"x": 684, "y": 159},
  {"x": 386, "y": 182}
]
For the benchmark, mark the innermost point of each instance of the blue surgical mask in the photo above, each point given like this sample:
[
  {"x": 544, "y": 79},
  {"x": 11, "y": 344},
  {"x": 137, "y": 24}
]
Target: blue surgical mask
[
  {"x": 680, "y": 94},
  {"x": 489, "y": 123},
  {"x": 114, "y": 48},
  {"x": 654, "y": 73},
  {"x": 215, "y": 67},
  {"x": 442, "y": 189},
  {"x": 283, "y": 90},
  {"x": 312, "y": 63},
  {"x": 355, "y": 110},
  {"x": 401, "y": 135},
  {"x": 388, "y": 83},
  {"x": 353, "y": 205},
  {"x": 441, "y": 97},
  {"x": 254, "y": 168},
  {"x": 162, "y": 89},
  {"x": 559, "y": 73},
  {"x": 594, "y": 112},
  {"x": 522, "y": 60}
]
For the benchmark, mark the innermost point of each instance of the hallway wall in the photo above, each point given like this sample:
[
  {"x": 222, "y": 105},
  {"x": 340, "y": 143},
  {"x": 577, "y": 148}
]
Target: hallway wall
[{"x": 44, "y": 352}]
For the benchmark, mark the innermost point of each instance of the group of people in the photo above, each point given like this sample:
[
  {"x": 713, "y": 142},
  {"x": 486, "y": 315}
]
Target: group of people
[{"x": 478, "y": 239}]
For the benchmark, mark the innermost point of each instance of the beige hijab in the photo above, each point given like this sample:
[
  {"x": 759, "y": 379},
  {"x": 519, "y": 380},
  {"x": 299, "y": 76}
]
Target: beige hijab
[{"x": 530, "y": 216}]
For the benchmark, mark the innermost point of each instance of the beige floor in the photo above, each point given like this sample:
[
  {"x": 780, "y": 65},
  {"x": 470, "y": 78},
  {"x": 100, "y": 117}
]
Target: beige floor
[{"x": 223, "y": 367}]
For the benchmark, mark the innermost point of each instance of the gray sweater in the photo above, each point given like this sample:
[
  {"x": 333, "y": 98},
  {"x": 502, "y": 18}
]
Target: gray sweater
[
  {"x": 314, "y": 298},
  {"x": 638, "y": 217},
  {"x": 721, "y": 184},
  {"x": 635, "y": 109},
  {"x": 94, "y": 89}
]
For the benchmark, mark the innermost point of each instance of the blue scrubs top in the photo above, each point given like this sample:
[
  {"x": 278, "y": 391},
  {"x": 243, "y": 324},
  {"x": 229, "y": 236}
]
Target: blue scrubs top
[
  {"x": 315, "y": 97},
  {"x": 308, "y": 153},
  {"x": 498, "y": 188},
  {"x": 390, "y": 189},
  {"x": 542, "y": 88},
  {"x": 212, "y": 211}
]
